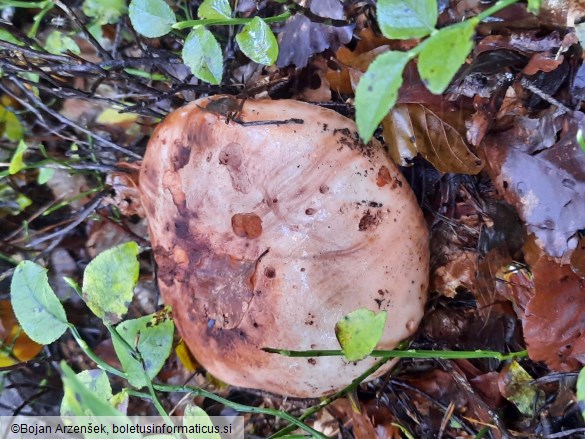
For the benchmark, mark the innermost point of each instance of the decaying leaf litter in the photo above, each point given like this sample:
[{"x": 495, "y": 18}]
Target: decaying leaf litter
[{"x": 494, "y": 161}]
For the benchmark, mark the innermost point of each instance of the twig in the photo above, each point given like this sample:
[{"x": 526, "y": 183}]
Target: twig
[
  {"x": 69, "y": 122},
  {"x": 81, "y": 216}
]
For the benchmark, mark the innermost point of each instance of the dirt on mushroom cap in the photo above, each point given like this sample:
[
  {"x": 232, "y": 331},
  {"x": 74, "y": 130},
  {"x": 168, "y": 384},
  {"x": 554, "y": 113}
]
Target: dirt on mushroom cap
[{"x": 267, "y": 232}]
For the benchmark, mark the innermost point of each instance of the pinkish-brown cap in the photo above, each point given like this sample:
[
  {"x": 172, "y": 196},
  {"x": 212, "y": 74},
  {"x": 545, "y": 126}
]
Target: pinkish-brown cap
[{"x": 267, "y": 234}]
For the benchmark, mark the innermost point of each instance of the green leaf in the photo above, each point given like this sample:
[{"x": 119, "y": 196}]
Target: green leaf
[
  {"x": 581, "y": 139},
  {"x": 35, "y": 305},
  {"x": 359, "y": 332},
  {"x": 377, "y": 91},
  {"x": 45, "y": 174},
  {"x": 212, "y": 9},
  {"x": 7, "y": 36},
  {"x": 109, "y": 280},
  {"x": 581, "y": 389},
  {"x": 258, "y": 42},
  {"x": 85, "y": 404},
  {"x": 203, "y": 55},
  {"x": 405, "y": 19},
  {"x": 105, "y": 11},
  {"x": 444, "y": 53},
  {"x": 17, "y": 162},
  {"x": 152, "y": 18},
  {"x": 58, "y": 43},
  {"x": 194, "y": 416},
  {"x": 10, "y": 126},
  {"x": 152, "y": 337},
  {"x": 534, "y": 6},
  {"x": 94, "y": 380}
]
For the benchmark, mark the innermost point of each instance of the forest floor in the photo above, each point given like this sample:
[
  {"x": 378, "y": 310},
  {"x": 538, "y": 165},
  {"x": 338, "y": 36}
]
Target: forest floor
[{"x": 500, "y": 176}]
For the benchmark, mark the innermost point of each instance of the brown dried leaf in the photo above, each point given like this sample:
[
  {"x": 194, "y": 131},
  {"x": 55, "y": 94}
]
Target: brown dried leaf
[
  {"x": 542, "y": 62},
  {"x": 15, "y": 343},
  {"x": 554, "y": 327},
  {"x": 412, "y": 128}
]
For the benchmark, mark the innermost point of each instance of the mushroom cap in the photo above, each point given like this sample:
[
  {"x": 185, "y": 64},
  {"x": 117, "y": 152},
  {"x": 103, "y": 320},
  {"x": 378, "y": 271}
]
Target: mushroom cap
[{"x": 267, "y": 234}]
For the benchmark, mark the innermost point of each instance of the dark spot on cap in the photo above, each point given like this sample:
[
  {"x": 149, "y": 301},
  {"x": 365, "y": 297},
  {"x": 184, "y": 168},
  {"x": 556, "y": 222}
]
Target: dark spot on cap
[
  {"x": 323, "y": 189},
  {"x": 247, "y": 225},
  {"x": 180, "y": 156},
  {"x": 312, "y": 361},
  {"x": 310, "y": 211},
  {"x": 270, "y": 272}
]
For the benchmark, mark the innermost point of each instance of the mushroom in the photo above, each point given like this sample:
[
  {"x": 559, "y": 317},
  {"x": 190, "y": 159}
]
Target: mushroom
[{"x": 270, "y": 221}]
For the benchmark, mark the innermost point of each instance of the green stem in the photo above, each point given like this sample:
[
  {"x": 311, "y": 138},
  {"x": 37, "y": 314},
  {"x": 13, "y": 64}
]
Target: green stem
[
  {"x": 411, "y": 353},
  {"x": 136, "y": 354},
  {"x": 32, "y": 33},
  {"x": 20, "y": 4},
  {"x": 241, "y": 407},
  {"x": 328, "y": 400},
  {"x": 97, "y": 360},
  {"x": 228, "y": 21}
]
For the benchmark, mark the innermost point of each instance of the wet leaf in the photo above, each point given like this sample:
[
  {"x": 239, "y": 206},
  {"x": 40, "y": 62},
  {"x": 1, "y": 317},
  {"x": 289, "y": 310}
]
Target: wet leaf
[
  {"x": 516, "y": 386},
  {"x": 377, "y": 91},
  {"x": 358, "y": 333},
  {"x": 35, "y": 305},
  {"x": 16, "y": 162},
  {"x": 547, "y": 187},
  {"x": 405, "y": 19},
  {"x": 203, "y": 55},
  {"x": 411, "y": 129},
  {"x": 151, "y": 338},
  {"x": 95, "y": 381},
  {"x": 211, "y": 9},
  {"x": 258, "y": 42},
  {"x": 554, "y": 328},
  {"x": 196, "y": 416},
  {"x": 109, "y": 280},
  {"x": 151, "y": 18},
  {"x": 444, "y": 53},
  {"x": 16, "y": 345},
  {"x": 300, "y": 38}
]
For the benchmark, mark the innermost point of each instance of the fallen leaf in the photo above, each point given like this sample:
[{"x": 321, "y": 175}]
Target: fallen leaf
[
  {"x": 16, "y": 345},
  {"x": 300, "y": 38},
  {"x": 543, "y": 62},
  {"x": 411, "y": 129},
  {"x": 554, "y": 327},
  {"x": 546, "y": 187},
  {"x": 516, "y": 386}
]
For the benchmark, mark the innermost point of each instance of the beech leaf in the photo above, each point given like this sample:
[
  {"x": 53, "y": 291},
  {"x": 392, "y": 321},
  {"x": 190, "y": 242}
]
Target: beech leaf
[{"x": 411, "y": 129}]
